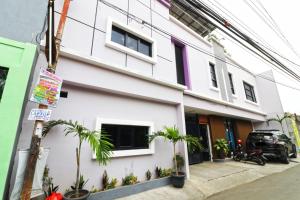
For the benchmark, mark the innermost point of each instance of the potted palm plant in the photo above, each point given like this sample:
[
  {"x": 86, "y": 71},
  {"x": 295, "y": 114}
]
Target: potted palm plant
[
  {"x": 222, "y": 148},
  {"x": 99, "y": 142},
  {"x": 173, "y": 135}
]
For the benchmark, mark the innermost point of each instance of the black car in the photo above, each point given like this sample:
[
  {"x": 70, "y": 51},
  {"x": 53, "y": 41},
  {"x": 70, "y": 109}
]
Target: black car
[{"x": 273, "y": 143}]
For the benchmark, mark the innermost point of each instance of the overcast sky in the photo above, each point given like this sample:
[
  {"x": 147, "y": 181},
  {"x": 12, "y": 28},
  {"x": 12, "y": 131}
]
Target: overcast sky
[{"x": 286, "y": 15}]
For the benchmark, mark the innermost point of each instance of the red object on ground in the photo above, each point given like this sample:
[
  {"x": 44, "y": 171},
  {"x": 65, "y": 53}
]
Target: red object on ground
[
  {"x": 55, "y": 196},
  {"x": 239, "y": 141}
]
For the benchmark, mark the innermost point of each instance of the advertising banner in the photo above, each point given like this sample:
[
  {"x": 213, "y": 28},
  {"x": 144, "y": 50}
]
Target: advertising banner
[{"x": 47, "y": 90}]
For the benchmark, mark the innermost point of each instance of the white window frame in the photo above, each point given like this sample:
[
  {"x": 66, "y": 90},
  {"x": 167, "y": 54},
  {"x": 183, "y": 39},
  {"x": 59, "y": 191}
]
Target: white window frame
[
  {"x": 132, "y": 152},
  {"x": 109, "y": 43}
]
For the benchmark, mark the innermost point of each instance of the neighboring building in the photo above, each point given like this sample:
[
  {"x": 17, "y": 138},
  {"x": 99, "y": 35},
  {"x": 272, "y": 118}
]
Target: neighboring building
[
  {"x": 21, "y": 26},
  {"x": 131, "y": 79}
]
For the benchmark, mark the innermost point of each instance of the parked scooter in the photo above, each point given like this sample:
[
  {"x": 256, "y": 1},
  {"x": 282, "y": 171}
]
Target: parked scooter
[{"x": 255, "y": 155}]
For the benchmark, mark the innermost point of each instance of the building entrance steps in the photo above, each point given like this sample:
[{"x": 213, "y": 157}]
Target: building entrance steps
[{"x": 209, "y": 178}]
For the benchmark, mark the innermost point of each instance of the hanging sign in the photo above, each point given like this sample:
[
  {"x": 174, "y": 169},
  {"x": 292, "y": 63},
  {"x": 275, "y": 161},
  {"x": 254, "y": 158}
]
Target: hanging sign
[
  {"x": 47, "y": 90},
  {"x": 40, "y": 114}
]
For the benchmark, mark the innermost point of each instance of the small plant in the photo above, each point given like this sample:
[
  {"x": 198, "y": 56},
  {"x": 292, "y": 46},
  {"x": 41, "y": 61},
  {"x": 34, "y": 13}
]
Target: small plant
[
  {"x": 166, "y": 172},
  {"x": 180, "y": 161},
  {"x": 174, "y": 136},
  {"x": 112, "y": 184},
  {"x": 222, "y": 148},
  {"x": 148, "y": 175},
  {"x": 157, "y": 172},
  {"x": 105, "y": 180},
  {"x": 48, "y": 186},
  {"x": 129, "y": 180},
  {"x": 94, "y": 190},
  {"x": 108, "y": 184},
  {"x": 160, "y": 173},
  {"x": 82, "y": 183},
  {"x": 99, "y": 142}
]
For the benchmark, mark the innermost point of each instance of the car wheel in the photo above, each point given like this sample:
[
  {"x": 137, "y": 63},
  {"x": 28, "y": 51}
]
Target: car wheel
[
  {"x": 285, "y": 157},
  {"x": 294, "y": 152}
]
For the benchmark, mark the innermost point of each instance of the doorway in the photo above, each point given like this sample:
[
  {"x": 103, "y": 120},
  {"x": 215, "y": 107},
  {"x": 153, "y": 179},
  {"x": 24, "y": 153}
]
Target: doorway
[
  {"x": 230, "y": 136},
  {"x": 200, "y": 130}
]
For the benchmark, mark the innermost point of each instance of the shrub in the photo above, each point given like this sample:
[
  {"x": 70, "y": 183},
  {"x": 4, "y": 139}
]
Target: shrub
[
  {"x": 82, "y": 183},
  {"x": 148, "y": 175},
  {"x": 160, "y": 173},
  {"x": 108, "y": 184},
  {"x": 129, "y": 180}
]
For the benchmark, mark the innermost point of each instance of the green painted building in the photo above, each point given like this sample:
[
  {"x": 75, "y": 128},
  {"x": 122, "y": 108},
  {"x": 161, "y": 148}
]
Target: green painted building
[{"x": 16, "y": 63}]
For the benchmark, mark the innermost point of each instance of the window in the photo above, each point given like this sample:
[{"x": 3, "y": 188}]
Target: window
[
  {"x": 231, "y": 83},
  {"x": 213, "y": 75},
  {"x": 179, "y": 64},
  {"x": 249, "y": 91},
  {"x": 127, "y": 137},
  {"x": 131, "y": 41},
  {"x": 3, "y": 76}
]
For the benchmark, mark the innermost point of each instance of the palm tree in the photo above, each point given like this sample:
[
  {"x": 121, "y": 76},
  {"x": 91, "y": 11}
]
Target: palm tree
[
  {"x": 99, "y": 142},
  {"x": 280, "y": 119},
  {"x": 172, "y": 134}
]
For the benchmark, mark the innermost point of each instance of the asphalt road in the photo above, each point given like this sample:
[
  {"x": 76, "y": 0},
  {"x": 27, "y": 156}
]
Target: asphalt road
[{"x": 281, "y": 186}]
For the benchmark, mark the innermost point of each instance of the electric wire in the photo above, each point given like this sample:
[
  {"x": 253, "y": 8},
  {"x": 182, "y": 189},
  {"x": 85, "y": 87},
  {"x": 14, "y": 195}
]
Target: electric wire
[
  {"x": 251, "y": 31},
  {"x": 231, "y": 40},
  {"x": 214, "y": 16},
  {"x": 248, "y": 40},
  {"x": 156, "y": 29},
  {"x": 248, "y": 49},
  {"x": 190, "y": 45},
  {"x": 277, "y": 28}
]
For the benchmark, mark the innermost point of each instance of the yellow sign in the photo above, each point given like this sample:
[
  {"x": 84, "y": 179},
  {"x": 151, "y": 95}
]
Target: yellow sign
[{"x": 296, "y": 133}]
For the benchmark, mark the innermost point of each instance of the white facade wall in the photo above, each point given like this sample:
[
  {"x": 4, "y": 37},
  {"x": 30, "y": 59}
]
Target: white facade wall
[
  {"x": 239, "y": 75},
  {"x": 107, "y": 83}
]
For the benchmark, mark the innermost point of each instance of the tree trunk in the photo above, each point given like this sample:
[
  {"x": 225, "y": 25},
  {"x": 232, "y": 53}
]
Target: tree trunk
[{"x": 175, "y": 159}]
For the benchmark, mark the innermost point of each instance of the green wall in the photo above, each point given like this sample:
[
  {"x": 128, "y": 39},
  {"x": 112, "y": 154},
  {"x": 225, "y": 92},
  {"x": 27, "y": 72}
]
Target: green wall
[{"x": 19, "y": 58}]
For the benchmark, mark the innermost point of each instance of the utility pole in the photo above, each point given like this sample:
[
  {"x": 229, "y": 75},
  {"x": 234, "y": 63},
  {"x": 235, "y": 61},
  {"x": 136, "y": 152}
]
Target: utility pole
[{"x": 52, "y": 54}]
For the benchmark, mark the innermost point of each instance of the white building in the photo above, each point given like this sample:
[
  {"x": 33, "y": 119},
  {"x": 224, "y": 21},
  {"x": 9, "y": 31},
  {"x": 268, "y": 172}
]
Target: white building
[{"x": 123, "y": 74}]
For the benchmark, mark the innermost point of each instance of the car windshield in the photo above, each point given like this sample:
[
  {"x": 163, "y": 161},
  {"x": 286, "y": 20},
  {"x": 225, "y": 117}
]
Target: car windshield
[{"x": 261, "y": 136}]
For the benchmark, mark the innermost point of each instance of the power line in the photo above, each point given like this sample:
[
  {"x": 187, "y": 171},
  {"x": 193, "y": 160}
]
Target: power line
[
  {"x": 188, "y": 44},
  {"x": 238, "y": 21},
  {"x": 250, "y": 52},
  {"x": 251, "y": 31},
  {"x": 279, "y": 29},
  {"x": 158, "y": 30},
  {"x": 216, "y": 17},
  {"x": 270, "y": 22}
]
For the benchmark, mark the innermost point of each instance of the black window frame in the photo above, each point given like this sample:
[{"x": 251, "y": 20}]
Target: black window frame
[
  {"x": 231, "y": 83},
  {"x": 130, "y": 35},
  {"x": 3, "y": 76},
  {"x": 249, "y": 92},
  {"x": 119, "y": 141},
  {"x": 179, "y": 59},
  {"x": 213, "y": 75}
]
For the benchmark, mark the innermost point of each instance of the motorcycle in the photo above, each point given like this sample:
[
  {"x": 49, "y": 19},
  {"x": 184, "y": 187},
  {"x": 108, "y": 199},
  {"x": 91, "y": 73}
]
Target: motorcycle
[{"x": 255, "y": 155}]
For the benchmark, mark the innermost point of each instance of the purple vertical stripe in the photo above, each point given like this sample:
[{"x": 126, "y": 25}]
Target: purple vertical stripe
[
  {"x": 186, "y": 69},
  {"x": 166, "y": 3}
]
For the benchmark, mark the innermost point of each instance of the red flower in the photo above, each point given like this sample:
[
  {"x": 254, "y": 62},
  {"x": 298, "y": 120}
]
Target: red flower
[{"x": 55, "y": 196}]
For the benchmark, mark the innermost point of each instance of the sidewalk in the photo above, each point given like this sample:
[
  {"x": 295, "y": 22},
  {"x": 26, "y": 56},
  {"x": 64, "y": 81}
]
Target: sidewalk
[{"x": 210, "y": 178}]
